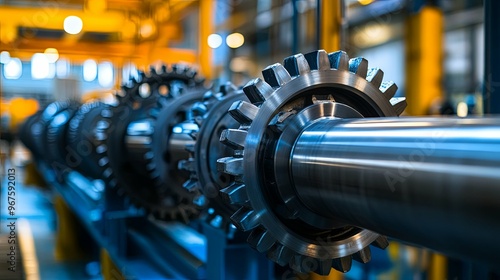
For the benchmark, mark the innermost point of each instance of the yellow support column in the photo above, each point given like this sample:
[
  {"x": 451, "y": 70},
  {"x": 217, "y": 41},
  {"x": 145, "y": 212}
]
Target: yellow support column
[
  {"x": 206, "y": 28},
  {"x": 109, "y": 270},
  {"x": 424, "y": 58},
  {"x": 334, "y": 275},
  {"x": 331, "y": 24},
  {"x": 68, "y": 245},
  {"x": 438, "y": 267}
]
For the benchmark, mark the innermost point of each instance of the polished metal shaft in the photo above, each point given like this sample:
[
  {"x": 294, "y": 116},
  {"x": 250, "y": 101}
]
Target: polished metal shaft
[{"x": 433, "y": 182}]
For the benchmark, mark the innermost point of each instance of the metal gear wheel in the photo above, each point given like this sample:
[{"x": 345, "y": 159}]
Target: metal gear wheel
[
  {"x": 34, "y": 130},
  {"x": 130, "y": 133},
  {"x": 211, "y": 117},
  {"x": 55, "y": 139},
  {"x": 293, "y": 95},
  {"x": 83, "y": 142}
]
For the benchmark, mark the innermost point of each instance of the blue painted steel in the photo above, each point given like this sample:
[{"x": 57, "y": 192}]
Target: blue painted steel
[
  {"x": 233, "y": 258},
  {"x": 147, "y": 249}
]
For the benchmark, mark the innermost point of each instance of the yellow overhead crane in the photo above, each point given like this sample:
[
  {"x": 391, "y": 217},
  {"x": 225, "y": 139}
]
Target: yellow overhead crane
[{"x": 126, "y": 20}]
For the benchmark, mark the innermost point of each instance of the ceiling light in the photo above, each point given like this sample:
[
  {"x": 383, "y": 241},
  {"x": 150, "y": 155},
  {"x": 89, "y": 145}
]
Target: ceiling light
[
  {"x": 148, "y": 29},
  {"x": 89, "y": 70},
  {"x": 52, "y": 55},
  {"x": 4, "y": 57},
  {"x": 235, "y": 40},
  {"x": 73, "y": 25},
  {"x": 13, "y": 69},
  {"x": 214, "y": 41},
  {"x": 39, "y": 66}
]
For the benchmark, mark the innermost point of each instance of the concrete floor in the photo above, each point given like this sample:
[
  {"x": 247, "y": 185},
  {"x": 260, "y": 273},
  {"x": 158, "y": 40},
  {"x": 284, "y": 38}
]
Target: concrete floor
[{"x": 34, "y": 205}]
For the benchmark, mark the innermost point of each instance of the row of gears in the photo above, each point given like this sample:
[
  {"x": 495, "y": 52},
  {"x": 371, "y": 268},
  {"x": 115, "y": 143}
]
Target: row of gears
[{"x": 179, "y": 149}]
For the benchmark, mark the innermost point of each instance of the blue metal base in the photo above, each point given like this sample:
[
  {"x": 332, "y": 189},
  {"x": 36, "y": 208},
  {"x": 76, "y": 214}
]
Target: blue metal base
[{"x": 143, "y": 248}]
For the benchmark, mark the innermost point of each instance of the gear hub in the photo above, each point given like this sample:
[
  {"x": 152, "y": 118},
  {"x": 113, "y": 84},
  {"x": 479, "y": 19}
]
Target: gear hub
[{"x": 294, "y": 94}]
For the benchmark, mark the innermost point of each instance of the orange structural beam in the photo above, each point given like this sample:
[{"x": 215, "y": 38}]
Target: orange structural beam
[
  {"x": 331, "y": 24},
  {"x": 206, "y": 27},
  {"x": 424, "y": 59}
]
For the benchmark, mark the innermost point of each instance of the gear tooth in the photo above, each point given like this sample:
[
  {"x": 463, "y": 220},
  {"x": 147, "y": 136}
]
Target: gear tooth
[
  {"x": 152, "y": 69},
  {"x": 181, "y": 68},
  {"x": 375, "y": 76},
  {"x": 389, "y": 89},
  {"x": 192, "y": 73},
  {"x": 190, "y": 185},
  {"x": 163, "y": 68},
  {"x": 276, "y": 75},
  {"x": 186, "y": 164},
  {"x": 399, "y": 104},
  {"x": 318, "y": 60},
  {"x": 234, "y": 194},
  {"x": 148, "y": 155},
  {"x": 324, "y": 267},
  {"x": 296, "y": 65},
  {"x": 199, "y": 108},
  {"x": 230, "y": 165},
  {"x": 190, "y": 148},
  {"x": 363, "y": 256},
  {"x": 154, "y": 112},
  {"x": 358, "y": 66},
  {"x": 257, "y": 90},
  {"x": 200, "y": 200},
  {"x": 243, "y": 112},
  {"x": 339, "y": 60},
  {"x": 234, "y": 138},
  {"x": 102, "y": 125},
  {"x": 107, "y": 172},
  {"x": 101, "y": 149},
  {"x": 381, "y": 242},
  {"x": 261, "y": 240},
  {"x": 103, "y": 161},
  {"x": 280, "y": 254},
  {"x": 106, "y": 113},
  {"x": 342, "y": 264},
  {"x": 227, "y": 88},
  {"x": 142, "y": 75},
  {"x": 198, "y": 120},
  {"x": 300, "y": 264},
  {"x": 245, "y": 219}
]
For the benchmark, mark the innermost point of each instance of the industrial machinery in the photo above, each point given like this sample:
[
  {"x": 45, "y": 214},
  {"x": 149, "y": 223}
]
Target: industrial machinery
[{"x": 313, "y": 162}]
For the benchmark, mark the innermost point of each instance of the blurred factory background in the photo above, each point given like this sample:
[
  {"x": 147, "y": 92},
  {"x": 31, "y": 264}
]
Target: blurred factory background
[{"x": 85, "y": 50}]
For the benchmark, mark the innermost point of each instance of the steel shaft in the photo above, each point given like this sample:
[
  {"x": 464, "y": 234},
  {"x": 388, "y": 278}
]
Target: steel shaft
[{"x": 433, "y": 182}]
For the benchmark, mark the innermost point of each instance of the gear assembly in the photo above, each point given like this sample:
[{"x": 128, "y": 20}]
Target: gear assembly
[{"x": 312, "y": 164}]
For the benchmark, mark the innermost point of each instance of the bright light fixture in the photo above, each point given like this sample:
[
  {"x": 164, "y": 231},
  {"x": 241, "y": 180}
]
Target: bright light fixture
[
  {"x": 73, "y": 25},
  {"x": 13, "y": 69},
  {"x": 147, "y": 29},
  {"x": 235, "y": 40},
  {"x": 39, "y": 66},
  {"x": 105, "y": 74},
  {"x": 89, "y": 70},
  {"x": 4, "y": 57},
  {"x": 462, "y": 109},
  {"x": 52, "y": 55},
  {"x": 62, "y": 68},
  {"x": 214, "y": 41}
]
